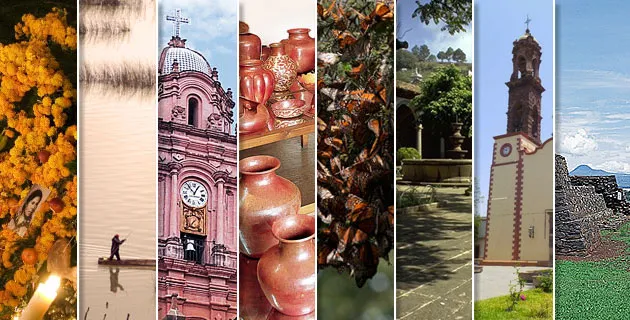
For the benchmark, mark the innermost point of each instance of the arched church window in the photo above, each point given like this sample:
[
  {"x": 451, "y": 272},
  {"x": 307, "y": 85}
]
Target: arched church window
[
  {"x": 193, "y": 111},
  {"x": 517, "y": 112},
  {"x": 522, "y": 66}
]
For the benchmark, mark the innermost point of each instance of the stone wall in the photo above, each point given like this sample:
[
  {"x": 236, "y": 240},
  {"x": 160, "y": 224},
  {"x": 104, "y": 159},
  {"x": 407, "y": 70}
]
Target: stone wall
[
  {"x": 607, "y": 187},
  {"x": 584, "y": 207}
]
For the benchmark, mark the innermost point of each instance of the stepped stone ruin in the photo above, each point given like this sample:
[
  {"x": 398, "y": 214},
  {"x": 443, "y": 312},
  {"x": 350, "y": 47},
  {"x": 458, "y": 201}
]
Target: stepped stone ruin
[{"x": 584, "y": 207}]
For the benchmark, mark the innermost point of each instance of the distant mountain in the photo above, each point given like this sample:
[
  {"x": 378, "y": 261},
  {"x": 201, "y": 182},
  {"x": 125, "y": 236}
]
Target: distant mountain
[
  {"x": 585, "y": 170},
  {"x": 623, "y": 180}
]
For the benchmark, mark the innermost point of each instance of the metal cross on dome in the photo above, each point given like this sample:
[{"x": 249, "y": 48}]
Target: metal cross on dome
[
  {"x": 177, "y": 20},
  {"x": 527, "y": 21}
]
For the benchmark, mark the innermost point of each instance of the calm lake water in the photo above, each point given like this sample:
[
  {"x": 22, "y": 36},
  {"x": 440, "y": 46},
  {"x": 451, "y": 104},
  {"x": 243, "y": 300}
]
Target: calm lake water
[{"x": 118, "y": 167}]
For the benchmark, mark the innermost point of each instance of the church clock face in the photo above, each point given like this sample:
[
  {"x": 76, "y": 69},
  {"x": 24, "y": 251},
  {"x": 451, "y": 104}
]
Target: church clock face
[
  {"x": 194, "y": 194},
  {"x": 506, "y": 149}
]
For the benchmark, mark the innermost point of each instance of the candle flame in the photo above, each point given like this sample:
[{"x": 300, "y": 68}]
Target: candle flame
[{"x": 50, "y": 287}]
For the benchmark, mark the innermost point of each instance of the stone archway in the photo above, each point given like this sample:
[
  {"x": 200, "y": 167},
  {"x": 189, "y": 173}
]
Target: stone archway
[{"x": 406, "y": 128}]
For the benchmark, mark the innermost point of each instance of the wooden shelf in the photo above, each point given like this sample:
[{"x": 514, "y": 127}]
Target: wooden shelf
[{"x": 258, "y": 139}]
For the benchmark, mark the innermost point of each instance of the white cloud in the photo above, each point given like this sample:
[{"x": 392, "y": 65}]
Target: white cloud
[
  {"x": 443, "y": 40},
  {"x": 580, "y": 143},
  {"x": 616, "y": 166},
  {"x": 618, "y": 116}
]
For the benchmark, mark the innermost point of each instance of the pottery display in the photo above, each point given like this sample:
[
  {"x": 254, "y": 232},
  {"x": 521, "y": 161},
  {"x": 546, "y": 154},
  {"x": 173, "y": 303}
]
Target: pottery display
[
  {"x": 256, "y": 83},
  {"x": 253, "y": 117},
  {"x": 249, "y": 46},
  {"x": 301, "y": 48},
  {"x": 263, "y": 198},
  {"x": 283, "y": 67},
  {"x": 287, "y": 109},
  {"x": 286, "y": 272}
]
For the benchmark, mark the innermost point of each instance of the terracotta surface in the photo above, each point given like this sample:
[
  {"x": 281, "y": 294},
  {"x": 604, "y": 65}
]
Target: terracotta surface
[
  {"x": 253, "y": 117},
  {"x": 283, "y": 67},
  {"x": 255, "y": 82},
  {"x": 286, "y": 272},
  {"x": 249, "y": 46},
  {"x": 301, "y": 48},
  {"x": 266, "y": 52},
  {"x": 263, "y": 197},
  {"x": 252, "y": 302}
]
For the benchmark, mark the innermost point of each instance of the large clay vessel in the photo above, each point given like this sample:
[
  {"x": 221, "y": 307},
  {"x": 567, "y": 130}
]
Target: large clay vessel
[
  {"x": 256, "y": 83},
  {"x": 301, "y": 48},
  {"x": 253, "y": 116},
  {"x": 283, "y": 67},
  {"x": 286, "y": 272},
  {"x": 249, "y": 46},
  {"x": 263, "y": 198},
  {"x": 266, "y": 52}
]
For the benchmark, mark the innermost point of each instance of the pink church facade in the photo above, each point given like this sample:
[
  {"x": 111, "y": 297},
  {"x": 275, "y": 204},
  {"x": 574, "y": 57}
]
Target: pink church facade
[{"x": 197, "y": 231}]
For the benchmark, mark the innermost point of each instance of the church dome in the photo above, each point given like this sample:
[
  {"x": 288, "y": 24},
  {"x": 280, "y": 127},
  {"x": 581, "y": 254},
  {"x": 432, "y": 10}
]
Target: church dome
[
  {"x": 526, "y": 36},
  {"x": 187, "y": 59}
]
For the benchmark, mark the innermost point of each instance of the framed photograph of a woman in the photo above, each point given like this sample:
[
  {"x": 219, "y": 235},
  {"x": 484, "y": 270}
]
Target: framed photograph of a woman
[{"x": 33, "y": 201}]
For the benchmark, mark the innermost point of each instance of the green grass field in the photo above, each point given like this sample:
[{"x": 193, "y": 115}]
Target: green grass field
[
  {"x": 537, "y": 305},
  {"x": 595, "y": 290}
]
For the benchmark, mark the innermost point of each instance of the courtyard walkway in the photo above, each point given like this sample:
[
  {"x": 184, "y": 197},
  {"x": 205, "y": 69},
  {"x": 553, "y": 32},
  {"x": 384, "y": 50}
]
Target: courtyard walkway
[{"x": 434, "y": 259}]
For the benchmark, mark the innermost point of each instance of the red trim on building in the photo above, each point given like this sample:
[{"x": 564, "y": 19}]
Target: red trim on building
[
  {"x": 511, "y": 134},
  {"x": 506, "y": 163},
  {"x": 542, "y": 146},
  {"x": 494, "y": 158},
  {"x": 518, "y": 204}
]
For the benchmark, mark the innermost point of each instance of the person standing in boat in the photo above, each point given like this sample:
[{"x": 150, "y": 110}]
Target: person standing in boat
[{"x": 116, "y": 242}]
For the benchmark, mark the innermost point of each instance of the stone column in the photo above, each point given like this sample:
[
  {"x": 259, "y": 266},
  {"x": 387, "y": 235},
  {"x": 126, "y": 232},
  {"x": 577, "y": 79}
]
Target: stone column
[
  {"x": 220, "y": 217},
  {"x": 419, "y": 143},
  {"x": 161, "y": 198},
  {"x": 173, "y": 212}
]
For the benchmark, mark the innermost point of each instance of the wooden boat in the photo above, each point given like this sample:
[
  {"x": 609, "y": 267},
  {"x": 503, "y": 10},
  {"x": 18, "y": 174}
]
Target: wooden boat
[{"x": 127, "y": 262}]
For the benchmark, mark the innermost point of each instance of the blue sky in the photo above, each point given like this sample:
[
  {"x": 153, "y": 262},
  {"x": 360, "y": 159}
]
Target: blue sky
[
  {"x": 593, "y": 80},
  {"x": 417, "y": 33},
  {"x": 497, "y": 24},
  {"x": 211, "y": 31}
]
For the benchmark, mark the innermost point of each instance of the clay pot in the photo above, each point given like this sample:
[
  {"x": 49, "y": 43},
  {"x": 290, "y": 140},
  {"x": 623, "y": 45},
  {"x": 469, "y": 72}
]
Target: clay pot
[
  {"x": 266, "y": 52},
  {"x": 301, "y": 48},
  {"x": 255, "y": 82},
  {"x": 286, "y": 272},
  {"x": 263, "y": 198},
  {"x": 253, "y": 117},
  {"x": 249, "y": 46},
  {"x": 283, "y": 67}
]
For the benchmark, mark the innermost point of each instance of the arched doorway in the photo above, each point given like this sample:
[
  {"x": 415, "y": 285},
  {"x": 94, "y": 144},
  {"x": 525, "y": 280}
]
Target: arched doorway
[{"x": 406, "y": 128}]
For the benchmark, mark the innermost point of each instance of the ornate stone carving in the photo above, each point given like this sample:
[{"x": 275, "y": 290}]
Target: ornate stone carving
[
  {"x": 193, "y": 220},
  {"x": 179, "y": 113},
  {"x": 178, "y": 157},
  {"x": 215, "y": 122}
]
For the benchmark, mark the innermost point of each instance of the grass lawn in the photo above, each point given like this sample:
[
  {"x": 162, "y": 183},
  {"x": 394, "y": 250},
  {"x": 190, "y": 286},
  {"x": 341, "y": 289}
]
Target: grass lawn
[
  {"x": 538, "y": 305},
  {"x": 592, "y": 290},
  {"x": 595, "y": 290}
]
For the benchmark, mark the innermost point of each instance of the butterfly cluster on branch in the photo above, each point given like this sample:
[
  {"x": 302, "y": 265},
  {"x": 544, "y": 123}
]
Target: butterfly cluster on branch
[{"x": 355, "y": 136}]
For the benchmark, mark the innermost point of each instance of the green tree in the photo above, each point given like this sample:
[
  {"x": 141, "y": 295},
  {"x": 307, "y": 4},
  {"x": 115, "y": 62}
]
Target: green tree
[
  {"x": 442, "y": 56},
  {"x": 446, "y": 97},
  {"x": 405, "y": 59},
  {"x": 455, "y": 14},
  {"x": 422, "y": 52},
  {"x": 432, "y": 58},
  {"x": 459, "y": 55},
  {"x": 415, "y": 50},
  {"x": 449, "y": 53}
]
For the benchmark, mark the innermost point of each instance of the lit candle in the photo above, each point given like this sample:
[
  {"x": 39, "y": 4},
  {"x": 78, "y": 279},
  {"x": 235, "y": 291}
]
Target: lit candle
[{"x": 42, "y": 299}]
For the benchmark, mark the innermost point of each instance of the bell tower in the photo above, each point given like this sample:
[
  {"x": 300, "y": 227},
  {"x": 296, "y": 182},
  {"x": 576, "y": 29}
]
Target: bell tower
[{"x": 525, "y": 88}]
